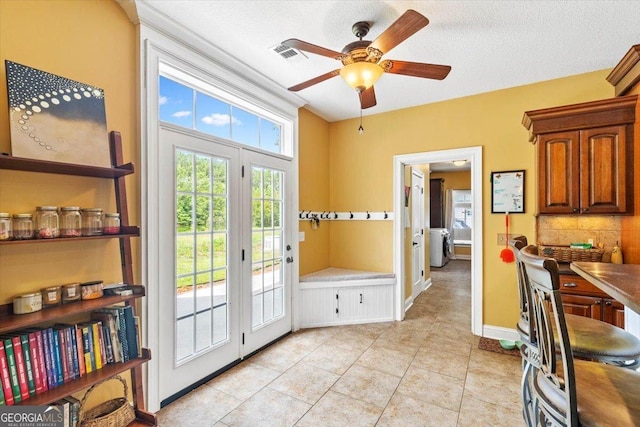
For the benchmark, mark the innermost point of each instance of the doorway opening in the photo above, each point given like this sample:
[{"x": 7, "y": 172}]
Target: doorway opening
[{"x": 474, "y": 156}]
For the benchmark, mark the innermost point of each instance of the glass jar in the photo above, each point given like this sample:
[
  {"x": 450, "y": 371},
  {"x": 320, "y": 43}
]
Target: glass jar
[
  {"x": 5, "y": 226},
  {"x": 91, "y": 222},
  {"x": 22, "y": 226},
  {"x": 112, "y": 223},
  {"x": 70, "y": 221},
  {"x": 47, "y": 224}
]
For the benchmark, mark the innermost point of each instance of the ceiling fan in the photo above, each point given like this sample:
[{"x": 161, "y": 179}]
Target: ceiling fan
[{"x": 361, "y": 59}]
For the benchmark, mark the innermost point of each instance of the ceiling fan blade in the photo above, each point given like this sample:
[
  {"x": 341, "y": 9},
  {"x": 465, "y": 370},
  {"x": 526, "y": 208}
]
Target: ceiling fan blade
[
  {"x": 312, "y": 48},
  {"x": 416, "y": 69},
  {"x": 368, "y": 98},
  {"x": 404, "y": 27},
  {"x": 314, "y": 80}
]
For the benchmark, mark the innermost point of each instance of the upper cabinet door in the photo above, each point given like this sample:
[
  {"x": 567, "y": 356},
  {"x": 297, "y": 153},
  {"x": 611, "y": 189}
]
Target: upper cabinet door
[
  {"x": 603, "y": 169},
  {"x": 559, "y": 173}
]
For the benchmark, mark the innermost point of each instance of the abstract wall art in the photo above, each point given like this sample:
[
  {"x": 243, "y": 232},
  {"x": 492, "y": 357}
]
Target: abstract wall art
[{"x": 55, "y": 118}]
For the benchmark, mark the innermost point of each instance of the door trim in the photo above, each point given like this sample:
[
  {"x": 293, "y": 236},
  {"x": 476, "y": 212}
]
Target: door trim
[{"x": 474, "y": 155}]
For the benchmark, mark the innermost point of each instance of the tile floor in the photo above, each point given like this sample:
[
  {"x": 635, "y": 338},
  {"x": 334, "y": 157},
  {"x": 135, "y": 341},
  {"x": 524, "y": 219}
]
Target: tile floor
[{"x": 424, "y": 371}]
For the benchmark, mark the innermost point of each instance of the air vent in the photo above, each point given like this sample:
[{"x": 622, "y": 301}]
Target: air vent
[{"x": 288, "y": 53}]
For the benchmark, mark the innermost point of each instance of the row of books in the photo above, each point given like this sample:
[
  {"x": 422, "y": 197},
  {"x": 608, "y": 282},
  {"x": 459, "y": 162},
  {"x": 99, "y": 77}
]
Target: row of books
[{"x": 35, "y": 360}]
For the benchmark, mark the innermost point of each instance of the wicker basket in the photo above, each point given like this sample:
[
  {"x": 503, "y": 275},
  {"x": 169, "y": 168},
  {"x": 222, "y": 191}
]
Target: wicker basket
[
  {"x": 116, "y": 412},
  {"x": 567, "y": 254}
]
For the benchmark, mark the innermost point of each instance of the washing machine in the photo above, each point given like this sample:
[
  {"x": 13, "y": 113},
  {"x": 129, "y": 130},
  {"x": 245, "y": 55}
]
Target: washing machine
[{"x": 439, "y": 246}]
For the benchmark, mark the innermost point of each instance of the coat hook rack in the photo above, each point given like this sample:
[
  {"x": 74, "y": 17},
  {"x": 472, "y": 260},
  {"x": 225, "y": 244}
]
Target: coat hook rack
[{"x": 346, "y": 216}]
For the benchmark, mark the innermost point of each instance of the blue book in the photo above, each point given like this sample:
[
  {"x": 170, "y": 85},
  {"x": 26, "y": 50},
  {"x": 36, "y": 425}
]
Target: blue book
[
  {"x": 74, "y": 351},
  {"x": 132, "y": 332},
  {"x": 57, "y": 357},
  {"x": 48, "y": 359}
]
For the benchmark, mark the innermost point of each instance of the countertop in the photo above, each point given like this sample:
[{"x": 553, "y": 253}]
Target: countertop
[{"x": 621, "y": 281}]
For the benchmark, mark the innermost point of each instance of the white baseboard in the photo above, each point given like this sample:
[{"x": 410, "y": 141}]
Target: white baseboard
[
  {"x": 417, "y": 290},
  {"x": 499, "y": 333},
  {"x": 465, "y": 257},
  {"x": 408, "y": 303}
]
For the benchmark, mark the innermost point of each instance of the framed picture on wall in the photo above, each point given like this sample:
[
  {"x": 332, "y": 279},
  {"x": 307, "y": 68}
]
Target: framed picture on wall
[{"x": 507, "y": 191}]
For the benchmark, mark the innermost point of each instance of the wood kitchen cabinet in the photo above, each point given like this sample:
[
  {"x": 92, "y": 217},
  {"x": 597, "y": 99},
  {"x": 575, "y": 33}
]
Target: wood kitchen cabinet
[
  {"x": 582, "y": 298},
  {"x": 584, "y": 156}
]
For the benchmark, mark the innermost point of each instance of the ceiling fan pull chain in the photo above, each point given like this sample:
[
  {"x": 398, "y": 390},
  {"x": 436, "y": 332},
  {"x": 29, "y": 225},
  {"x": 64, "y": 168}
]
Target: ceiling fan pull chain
[{"x": 360, "y": 129}]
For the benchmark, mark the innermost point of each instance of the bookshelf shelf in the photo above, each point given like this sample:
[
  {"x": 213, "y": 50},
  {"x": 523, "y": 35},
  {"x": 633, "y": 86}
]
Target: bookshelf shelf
[
  {"x": 10, "y": 323},
  {"x": 86, "y": 380}
]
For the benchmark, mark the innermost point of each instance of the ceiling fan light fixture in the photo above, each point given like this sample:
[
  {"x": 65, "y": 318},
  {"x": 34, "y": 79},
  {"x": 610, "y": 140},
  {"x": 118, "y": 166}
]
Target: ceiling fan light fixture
[
  {"x": 361, "y": 75},
  {"x": 459, "y": 162}
]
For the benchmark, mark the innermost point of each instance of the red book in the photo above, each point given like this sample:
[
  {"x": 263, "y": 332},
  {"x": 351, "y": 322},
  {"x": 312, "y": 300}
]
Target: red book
[
  {"x": 21, "y": 367},
  {"x": 4, "y": 376},
  {"x": 35, "y": 364},
  {"x": 80, "y": 350},
  {"x": 41, "y": 360}
]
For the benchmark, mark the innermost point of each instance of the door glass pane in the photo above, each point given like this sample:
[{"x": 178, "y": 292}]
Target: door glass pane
[
  {"x": 267, "y": 254},
  {"x": 201, "y": 252},
  {"x": 270, "y": 134}
]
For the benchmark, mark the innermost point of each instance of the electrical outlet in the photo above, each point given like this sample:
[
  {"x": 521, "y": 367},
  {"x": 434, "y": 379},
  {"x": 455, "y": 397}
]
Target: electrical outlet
[
  {"x": 590, "y": 241},
  {"x": 502, "y": 239}
]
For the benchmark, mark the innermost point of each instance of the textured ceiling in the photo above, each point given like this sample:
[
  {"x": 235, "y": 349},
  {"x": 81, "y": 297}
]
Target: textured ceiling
[{"x": 490, "y": 45}]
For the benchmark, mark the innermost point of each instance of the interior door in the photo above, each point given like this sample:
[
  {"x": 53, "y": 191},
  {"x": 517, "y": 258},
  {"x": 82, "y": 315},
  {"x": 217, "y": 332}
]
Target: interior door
[
  {"x": 199, "y": 272},
  {"x": 267, "y": 250},
  {"x": 417, "y": 231}
]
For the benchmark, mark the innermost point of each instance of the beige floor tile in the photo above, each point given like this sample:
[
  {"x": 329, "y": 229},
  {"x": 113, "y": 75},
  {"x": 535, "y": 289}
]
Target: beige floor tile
[
  {"x": 333, "y": 358},
  {"x": 368, "y": 385},
  {"x": 476, "y": 413},
  {"x": 281, "y": 356},
  {"x": 305, "y": 382},
  {"x": 338, "y": 410},
  {"x": 387, "y": 360},
  {"x": 492, "y": 388},
  {"x": 498, "y": 364},
  {"x": 404, "y": 411},
  {"x": 432, "y": 387},
  {"x": 195, "y": 409},
  {"x": 244, "y": 380},
  {"x": 444, "y": 360},
  {"x": 267, "y": 408}
]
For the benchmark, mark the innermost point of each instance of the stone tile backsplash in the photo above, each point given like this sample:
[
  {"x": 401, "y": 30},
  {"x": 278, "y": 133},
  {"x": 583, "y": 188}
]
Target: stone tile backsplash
[{"x": 562, "y": 230}]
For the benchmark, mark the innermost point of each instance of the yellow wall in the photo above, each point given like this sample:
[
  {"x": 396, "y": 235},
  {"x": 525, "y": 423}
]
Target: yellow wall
[
  {"x": 362, "y": 170},
  {"x": 314, "y": 189},
  {"x": 91, "y": 42}
]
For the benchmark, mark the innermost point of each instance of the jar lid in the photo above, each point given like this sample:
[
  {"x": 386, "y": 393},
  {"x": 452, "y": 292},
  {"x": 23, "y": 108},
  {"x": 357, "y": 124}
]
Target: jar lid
[
  {"x": 23, "y": 215},
  {"x": 4, "y": 215},
  {"x": 92, "y": 210},
  {"x": 52, "y": 288},
  {"x": 28, "y": 295},
  {"x": 46, "y": 208},
  {"x": 70, "y": 208},
  {"x": 113, "y": 215}
]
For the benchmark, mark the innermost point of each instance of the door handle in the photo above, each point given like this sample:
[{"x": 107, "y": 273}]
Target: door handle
[
  {"x": 289, "y": 259},
  {"x": 414, "y": 243}
]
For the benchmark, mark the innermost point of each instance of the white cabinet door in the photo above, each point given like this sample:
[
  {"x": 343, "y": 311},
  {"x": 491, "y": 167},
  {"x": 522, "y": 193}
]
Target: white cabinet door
[
  {"x": 350, "y": 304},
  {"x": 318, "y": 307}
]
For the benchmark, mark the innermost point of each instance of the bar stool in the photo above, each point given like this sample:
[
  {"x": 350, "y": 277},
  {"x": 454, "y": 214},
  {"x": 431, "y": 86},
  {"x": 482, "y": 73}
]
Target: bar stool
[
  {"x": 589, "y": 339},
  {"x": 572, "y": 392}
]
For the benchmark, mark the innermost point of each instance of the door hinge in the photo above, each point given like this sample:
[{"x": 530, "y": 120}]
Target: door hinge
[
  {"x": 243, "y": 254},
  {"x": 243, "y": 171},
  {"x": 243, "y": 338},
  {"x": 336, "y": 311}
]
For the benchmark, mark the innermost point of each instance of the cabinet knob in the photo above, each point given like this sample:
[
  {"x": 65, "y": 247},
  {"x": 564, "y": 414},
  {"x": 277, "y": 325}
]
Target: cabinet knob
[
  {"x": 576, "y": 210},
  {"x": 608, "y": 303},
  {"x": 585, "y": 210}
]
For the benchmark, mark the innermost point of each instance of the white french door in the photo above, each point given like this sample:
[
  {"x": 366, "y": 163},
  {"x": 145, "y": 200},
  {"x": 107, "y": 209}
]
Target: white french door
[
  {"x": 267, "y": 262},
  {"x": 224, "y": 283},
  {"x": 417, "y": 232}
]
